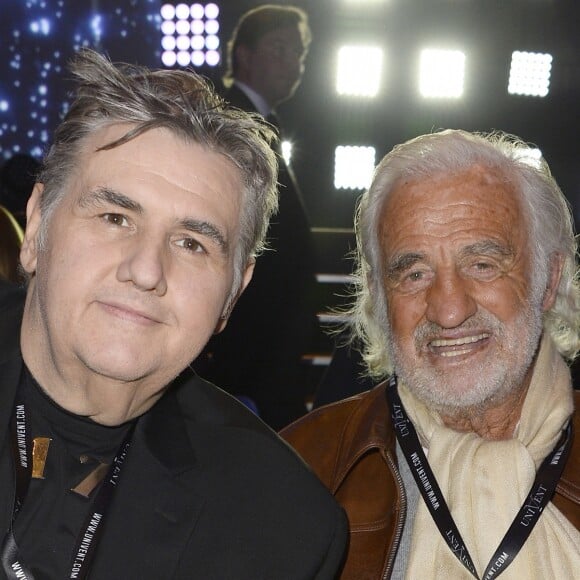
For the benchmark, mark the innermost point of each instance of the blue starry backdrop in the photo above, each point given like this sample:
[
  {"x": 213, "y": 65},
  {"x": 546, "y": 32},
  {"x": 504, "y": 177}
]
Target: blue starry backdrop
[{"x": 38, "y": 38}]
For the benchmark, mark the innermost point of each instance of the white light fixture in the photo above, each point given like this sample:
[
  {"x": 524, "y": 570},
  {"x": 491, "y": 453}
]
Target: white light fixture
[
  {"x": 286, "y": 147},
  {"x": 353, "y": 166},
  {"x": 530, "y": 74},
  {"x": 359, "y": 70},
  {"x": 531, "y": 156},
  {"x": 441, "y": 73},
  {"x": 190, "y": 34}
]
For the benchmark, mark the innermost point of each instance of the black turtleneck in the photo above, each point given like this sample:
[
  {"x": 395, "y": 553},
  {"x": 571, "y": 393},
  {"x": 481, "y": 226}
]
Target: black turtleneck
[{"x": 47, "y": 526}]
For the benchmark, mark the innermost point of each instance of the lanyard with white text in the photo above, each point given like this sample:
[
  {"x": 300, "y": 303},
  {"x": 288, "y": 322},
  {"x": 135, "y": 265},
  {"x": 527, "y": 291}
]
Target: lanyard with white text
[
  {"x": 540, "y": 493},
  {"x": 90, "y": 533},
  {"x": 22, "y": 455}
]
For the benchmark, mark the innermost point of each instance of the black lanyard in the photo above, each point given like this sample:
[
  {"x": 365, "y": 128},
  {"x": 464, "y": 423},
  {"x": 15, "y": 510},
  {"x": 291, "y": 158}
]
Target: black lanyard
[
  {"x": 90, "y": 534},
  {"x": 540, "y": 494}
]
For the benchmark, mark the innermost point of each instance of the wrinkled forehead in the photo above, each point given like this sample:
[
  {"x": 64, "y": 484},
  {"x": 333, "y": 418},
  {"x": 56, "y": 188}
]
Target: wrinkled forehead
[
  {"x": 477, "y": 198},
  {"x": 477, "y": 182}
]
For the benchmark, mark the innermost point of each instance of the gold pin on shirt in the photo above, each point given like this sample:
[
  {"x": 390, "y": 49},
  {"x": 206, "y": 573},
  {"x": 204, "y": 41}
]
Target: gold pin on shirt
[{"x": 40, "y": 447}]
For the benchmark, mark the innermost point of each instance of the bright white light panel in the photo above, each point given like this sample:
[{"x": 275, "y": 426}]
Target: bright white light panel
[
  {"x": 190, "y": 34},
  {"x": 442, "y": 73},
  {"x": 530, "y": 74},
  {"x": 359, "y": 70},
  {"x": 286, "y": 147},
  {"x": 353, "y": 166},
  {"x": 531, "y": 156}
]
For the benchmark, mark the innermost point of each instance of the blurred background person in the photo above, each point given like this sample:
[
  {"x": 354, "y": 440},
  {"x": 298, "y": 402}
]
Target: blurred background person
[{"x": 259, "y": 354}]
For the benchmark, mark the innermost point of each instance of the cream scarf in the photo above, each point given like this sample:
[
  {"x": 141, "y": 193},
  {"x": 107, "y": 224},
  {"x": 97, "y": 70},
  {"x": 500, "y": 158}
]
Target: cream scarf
[{"x": 486, "y": 482}]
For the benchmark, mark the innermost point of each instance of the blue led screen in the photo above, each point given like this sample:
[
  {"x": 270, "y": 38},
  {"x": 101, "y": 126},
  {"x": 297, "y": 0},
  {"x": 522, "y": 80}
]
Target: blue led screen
[{"x": 37, "y": 39}]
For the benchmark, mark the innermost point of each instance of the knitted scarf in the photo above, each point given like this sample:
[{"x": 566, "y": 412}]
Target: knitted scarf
[{"x": 486, "y": 482}]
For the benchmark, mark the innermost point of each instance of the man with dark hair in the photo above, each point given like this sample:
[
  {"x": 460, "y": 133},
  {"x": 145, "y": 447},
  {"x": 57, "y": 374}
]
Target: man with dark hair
[
  {"x": 266, "y": 56},
  {"x": 275, "y": 321},
  {"x": 115, "y": 459},
  {"x": 462, "y": 464}
]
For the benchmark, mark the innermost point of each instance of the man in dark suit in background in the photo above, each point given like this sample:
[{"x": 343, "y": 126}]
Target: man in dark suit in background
[
  {"x": 275, "y": 321},
  {"x": 141, "y": 234}
]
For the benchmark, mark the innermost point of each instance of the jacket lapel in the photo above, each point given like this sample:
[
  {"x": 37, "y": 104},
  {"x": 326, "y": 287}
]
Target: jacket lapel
[
  {"x": 155, "y": 504},
  {"x": 369, "y": 427}
]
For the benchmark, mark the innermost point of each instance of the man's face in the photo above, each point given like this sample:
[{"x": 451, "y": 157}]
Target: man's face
[
  {"x": 138, "y": 263},
  {"x": 464, "y": 321},
  {"x": 274, "y": 66}
]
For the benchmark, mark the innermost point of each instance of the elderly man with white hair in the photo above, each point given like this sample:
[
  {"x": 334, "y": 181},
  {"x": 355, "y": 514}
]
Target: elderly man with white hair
[{"x": 461, "y": 464}]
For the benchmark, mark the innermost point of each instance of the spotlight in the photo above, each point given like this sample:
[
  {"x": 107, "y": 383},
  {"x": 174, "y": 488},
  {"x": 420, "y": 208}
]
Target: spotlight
[
  {"x": 190, "y": 34},
  {"x": 359, "y": 70},
  {"x": 353, "y": 166},
  {"x": 530, "y": 74},
  {"x": 441, "y": 73}
]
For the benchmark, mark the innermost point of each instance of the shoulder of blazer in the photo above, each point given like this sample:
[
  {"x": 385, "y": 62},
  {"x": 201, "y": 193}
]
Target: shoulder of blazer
[{"x": 211, "y": 423}]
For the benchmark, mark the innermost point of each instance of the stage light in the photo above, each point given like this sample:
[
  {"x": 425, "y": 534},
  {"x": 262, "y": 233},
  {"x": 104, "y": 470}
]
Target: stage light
[
  {"x": 168, "y": 27},
  {"x": 182, "y": 11},
  {"x": 183, "y": 58},
  {"x": 197, "y": 27},
  {"x": 194, "y": 28},
  {"x": 169, "y": 58},
  {"x": 212, "y": 57},
  {"x": 353, "y": 166},
  {"x": 197, "y": 43},
  {"x": 531, "y": 156},
  {"x": 212, "y": 42},
  {"x": 359, "y": 70},
  {"x": 42, "y": 27},
  {"x": 530, "y": 74},
  {"x": 167, "y": 12},
  {"x": 441, "y": 73},
  {"x": 182, "y": 42},
  {"x": 211, "y": 11},
  {"x": 286, "y": 147},
  {"x": 197, "y": 57},
  {"x": 197, "y": 11},
  {"x": 182, "y": 27},
  {"x": 212, "y": 27},
  {"x": 168, "y": 43}
]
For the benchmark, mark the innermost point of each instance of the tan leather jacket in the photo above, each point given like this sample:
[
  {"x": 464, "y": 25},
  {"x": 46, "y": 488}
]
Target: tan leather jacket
[{"x": 351, "y": 447}]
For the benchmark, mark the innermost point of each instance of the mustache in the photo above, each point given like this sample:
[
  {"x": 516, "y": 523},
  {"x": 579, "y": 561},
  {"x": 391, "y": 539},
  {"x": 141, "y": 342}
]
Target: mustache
[{"x": 482, "y": 321}]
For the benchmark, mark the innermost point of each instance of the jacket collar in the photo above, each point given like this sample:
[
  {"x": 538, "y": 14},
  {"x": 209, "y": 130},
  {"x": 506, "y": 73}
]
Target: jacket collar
[{"x": 368, "y": 427}]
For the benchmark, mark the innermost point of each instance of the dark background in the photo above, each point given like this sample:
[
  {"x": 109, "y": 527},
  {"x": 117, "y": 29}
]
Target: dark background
[
  {"x": 318, "y": 119},
  {"x": 37, "y": 38}
]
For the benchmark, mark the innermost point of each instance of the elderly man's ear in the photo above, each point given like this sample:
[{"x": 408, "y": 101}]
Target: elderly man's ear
[
  {"x": 29, "y": 249},
  {"x": 556, "y": 267},
  {"x": 223, "y": 321}
]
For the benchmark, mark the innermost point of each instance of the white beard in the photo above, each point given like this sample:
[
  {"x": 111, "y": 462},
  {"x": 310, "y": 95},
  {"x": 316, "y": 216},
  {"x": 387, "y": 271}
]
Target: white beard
[{"x": 475, "y": 385}]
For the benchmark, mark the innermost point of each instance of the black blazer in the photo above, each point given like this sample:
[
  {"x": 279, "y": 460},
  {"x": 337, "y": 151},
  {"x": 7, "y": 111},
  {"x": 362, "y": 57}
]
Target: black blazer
[{"x": 207, "y": 491}]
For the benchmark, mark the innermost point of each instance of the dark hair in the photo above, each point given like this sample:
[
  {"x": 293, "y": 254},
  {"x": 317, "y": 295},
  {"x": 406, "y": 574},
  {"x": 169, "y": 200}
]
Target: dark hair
[
  {"x": 181, "y": 102},
  {"x": 255, "y": 23}
]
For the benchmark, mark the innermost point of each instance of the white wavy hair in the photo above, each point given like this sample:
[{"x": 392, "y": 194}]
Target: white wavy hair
[{"x": 449, "y": 152}]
